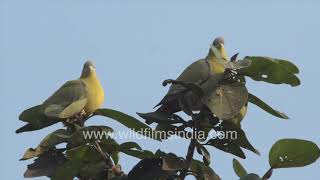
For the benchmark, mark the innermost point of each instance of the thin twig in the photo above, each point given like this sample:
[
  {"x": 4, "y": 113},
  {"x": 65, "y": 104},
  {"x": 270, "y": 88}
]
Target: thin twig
[
  {"x": 105, "y": 158},
  {"x": 189, "y": 157}
]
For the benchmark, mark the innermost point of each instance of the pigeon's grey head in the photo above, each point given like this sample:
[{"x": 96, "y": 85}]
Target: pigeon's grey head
[
  {"x": 88, "y": 69},
  {"x": 218, "y": 42}
]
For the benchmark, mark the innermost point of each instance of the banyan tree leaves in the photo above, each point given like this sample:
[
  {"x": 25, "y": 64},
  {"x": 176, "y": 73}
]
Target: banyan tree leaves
[
  {"x": 227, "y": 100},
  {"x": 276, "y": 71},
  {"x": 172, "y": 162},
  {"x": 237, "y": 64},
  {"x": 161, "y": 117},
  {"x": 227, "y": 146},
  {"x": 50, "y": 141},
  {"x": 238, "y": 168},
  {"x": 133, "y": 149},
  {"x": 149, "y": 168},
  {"x": 46, "y": 164},
  {"x": 128, "y": 121},
  {"x": 94, "y": 171},
  {"x": 255, "y": 100},
  {"x": 81, "y": 161},
  {"x": 71, "y": 168},
  {"x": 230, "y": 138},
  {"x": 239, "y": 117},
  {"x": 287, "y": 153},
  {"x": 251, "y": 176},
  {"x": 205, "y": 154},
  {"x": 90, "y": 134},
  {"x": 203, "y": 172},
  {"x": 161, "y": 166}
]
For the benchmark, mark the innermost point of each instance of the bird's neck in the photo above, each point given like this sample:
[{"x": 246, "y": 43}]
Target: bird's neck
[
  {"x": 90, "y": 77},
  {"x": 216, "y": 67}
]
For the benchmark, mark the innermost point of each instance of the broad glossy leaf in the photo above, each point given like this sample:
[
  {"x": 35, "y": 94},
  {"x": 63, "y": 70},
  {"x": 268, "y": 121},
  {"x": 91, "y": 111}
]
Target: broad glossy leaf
[
  {"x": 271, "y": 70},
  {"x": 251, "y": 176},
  {"x": 133, "y": 149},
  {"x": 47, "y": 143},
  {"x": 45, "y": 165},
  {"x": 239, "y": 117},
  {"x": 227, "y": 100},
  {"x": 231, "y": 138},
  {"x": 287, "y": 153},
  {"x": 227, "y": 146},
  {"x": 289, "y": 66},
  {"x": 90, "y": 134},
  {"x": 205, "y": 154},
  {"x": 130, "y": 145},
  {"x": 238, "y": 168},
  {"x": 161, "y": 117},
  {"x": 149, "y": 168},
  {"x": 94, "y": 171},
  {"x": 237, "y": 64},
  {"x": 172, "y": 162},
  {"x": 203, "y": 172},
  {"x": 129, "y": 121},
  {"x": 71, "y": 168},
  {"x": 255, "y": 100}
]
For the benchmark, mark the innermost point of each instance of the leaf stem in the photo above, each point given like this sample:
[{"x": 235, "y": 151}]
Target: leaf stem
[{"x": 268, "y": 174}]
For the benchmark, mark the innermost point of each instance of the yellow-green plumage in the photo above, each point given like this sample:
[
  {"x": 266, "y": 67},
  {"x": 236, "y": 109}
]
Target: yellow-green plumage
[
  {"x": 76, "y": 97},
  {"x": 94, "y": 93},
  {"x": 198, "y": 72},
  {"x": 85, "y": 93}
]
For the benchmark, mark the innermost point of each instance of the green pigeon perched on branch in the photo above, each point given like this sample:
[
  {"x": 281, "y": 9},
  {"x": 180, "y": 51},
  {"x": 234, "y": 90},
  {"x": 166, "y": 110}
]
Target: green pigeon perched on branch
[
  {"x": 75, "y": 98},
  {"x": 210, "y": 69},
  {"x": 205, "y": 73}
]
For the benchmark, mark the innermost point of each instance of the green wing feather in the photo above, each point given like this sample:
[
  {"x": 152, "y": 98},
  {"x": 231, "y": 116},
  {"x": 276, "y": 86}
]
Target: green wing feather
[
  {"x": 67, "y": 101},
  {"x": 198, "y": 72}
]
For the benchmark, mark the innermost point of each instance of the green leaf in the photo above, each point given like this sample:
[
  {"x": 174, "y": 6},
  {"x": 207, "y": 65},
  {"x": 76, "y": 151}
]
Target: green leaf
[
  {"x": 133, "y": 149},
  {"x": 250, "y": 176},
  {"x": 287, "y": 153},
  {"x": 231, "y": 138},
  {"x": 237, "y": 64},
  {"x": 149, "y": 168},
  {"x": 203, "y": 172},
  {"x": 47, "y": 143},
  {"x": 94, "y": 171},
  {"x": 130, "y": 145},
  {"x": 161, "y": 117},
  {"x": 172, "y": 162},
  {"x": 205, "y": 154},
  {"x": 271, "y": 70},
  {"x": 45, "y": 165},
  {"x": 255, "y": 100},
  {"x": 90, "y": 134},
  {"x": 238, "y": 168},
  {"x": 128, "y": 121},
  {"x": 239, "y": 117},
  {"x": 71, "y": 168},
  {"x": 227, "y": 146},
  {"x": 227, "y": 100},
  {"x": 289, "y": 66}
]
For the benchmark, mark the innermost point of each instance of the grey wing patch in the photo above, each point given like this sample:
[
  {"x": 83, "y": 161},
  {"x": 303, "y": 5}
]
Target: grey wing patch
[{"x": 67, "y": 101}]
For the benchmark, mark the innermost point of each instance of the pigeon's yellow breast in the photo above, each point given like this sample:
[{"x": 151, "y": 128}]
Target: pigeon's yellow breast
[{"x": 94, "y": 94}]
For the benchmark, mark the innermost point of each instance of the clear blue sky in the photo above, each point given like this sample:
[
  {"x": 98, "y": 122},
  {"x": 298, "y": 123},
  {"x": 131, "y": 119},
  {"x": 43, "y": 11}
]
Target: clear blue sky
[{"x": 136, "y": 45}]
